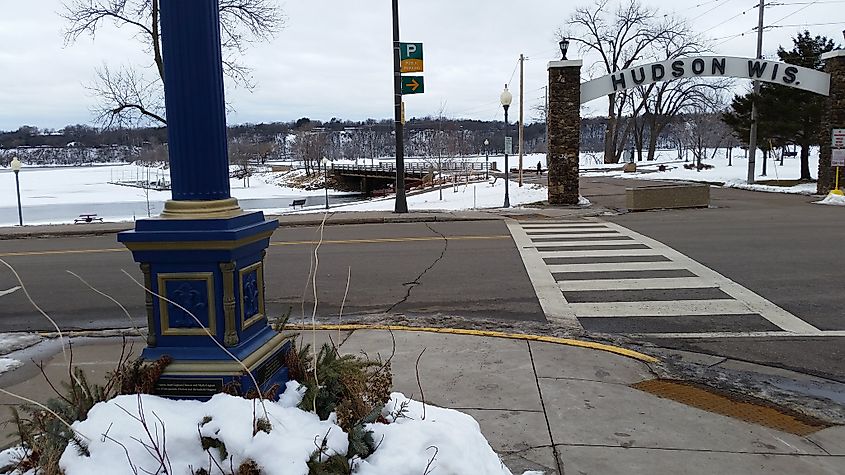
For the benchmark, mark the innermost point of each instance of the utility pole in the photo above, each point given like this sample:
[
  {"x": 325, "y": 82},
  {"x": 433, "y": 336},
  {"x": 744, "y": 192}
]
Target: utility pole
[
  {"x": 401, "y": 203},
  {"x": 752, "y": 141},
  {"x": 521, "y": 112}
]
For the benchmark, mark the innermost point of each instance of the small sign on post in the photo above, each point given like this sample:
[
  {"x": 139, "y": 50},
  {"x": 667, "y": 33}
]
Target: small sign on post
[
  {"x": 412, "y": 85},
  {"x": 411, "y": 57},
  {"x": 837, "y": 158},
  {"x": 838, "y": 138},
  {"x": 508, "y": 145}
]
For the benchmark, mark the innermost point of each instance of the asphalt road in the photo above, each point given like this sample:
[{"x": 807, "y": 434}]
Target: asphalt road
[
  {"x": 469, "y": 269},
  {"x": 780, "y": 246}
]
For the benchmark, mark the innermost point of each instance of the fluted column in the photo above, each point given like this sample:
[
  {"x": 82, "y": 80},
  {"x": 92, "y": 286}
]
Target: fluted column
[{"x": 196, "y": 109}]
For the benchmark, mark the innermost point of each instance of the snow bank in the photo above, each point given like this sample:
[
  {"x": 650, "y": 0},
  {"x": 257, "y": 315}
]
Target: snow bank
[
  {"x": 484, "y": 195},
  {"x": 8, "y": 364},
  {"x": 442, "y": 442},
  {"x": 733, "y": 176},
  {"x": 10, "y": 342},
  {"x": 833, "y": 200},
  {"x": 431, "y": 440},
  {"x": 112, "y": 427}
]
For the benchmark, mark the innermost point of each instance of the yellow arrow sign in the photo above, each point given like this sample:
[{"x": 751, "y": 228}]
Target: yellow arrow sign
[{"x": 413, "y": 85}]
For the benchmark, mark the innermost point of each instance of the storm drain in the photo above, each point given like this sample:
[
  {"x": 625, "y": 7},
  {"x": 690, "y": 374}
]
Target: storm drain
[{"x": 732, "y": 405}]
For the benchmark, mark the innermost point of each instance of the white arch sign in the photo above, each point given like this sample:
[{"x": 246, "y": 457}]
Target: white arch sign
[{"x": 708, "y": 66}]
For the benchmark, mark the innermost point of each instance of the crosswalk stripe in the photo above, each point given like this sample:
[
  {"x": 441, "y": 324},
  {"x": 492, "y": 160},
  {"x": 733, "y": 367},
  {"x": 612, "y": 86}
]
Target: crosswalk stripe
[
  {"x": 614, "y": 242},
  {"x": 636, "y": 284},
  {"x": 569, "y": 237},
  {"x": 562, "y": 225},
  {"x": 614, "y": 267},
  {"x": 674, "y": 308},
  {"x": 600, "y": 253},
  {"x": 570, "y": 232}
]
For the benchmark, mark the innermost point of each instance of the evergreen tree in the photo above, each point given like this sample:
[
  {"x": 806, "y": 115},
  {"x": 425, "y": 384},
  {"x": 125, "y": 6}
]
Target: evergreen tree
[{"x": 786, "y": 115}]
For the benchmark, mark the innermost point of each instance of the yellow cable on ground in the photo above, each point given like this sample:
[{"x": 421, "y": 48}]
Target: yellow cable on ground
[{"x": 492, "y": 334}]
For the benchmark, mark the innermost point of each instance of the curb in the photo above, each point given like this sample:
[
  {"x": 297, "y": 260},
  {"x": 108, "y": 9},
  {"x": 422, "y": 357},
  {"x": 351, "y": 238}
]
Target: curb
[
  {"x": 618, "y": 350},
  {"x": 485, "y": 333},
  {"x": 114, "y": 228},
  {"x": 410, "y": 218}
]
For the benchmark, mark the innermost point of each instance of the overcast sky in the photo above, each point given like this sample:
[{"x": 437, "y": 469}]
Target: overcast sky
[{"x": 333, "y": 58}]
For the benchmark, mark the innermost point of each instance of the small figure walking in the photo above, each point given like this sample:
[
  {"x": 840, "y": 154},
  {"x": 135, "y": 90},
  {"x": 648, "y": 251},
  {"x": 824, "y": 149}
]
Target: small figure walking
[{"x": 539, "y": 169}]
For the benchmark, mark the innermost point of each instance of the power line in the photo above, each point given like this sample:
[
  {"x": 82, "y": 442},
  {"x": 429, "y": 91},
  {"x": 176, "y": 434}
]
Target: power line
[
  {"x": 808, "y": 5},
  {"x": 708, "y": 11},
  {"x": 735, "y": 16},
  {"x": 796, "y": 25},
  {"x": 783, "y": 4},
  {"x": 704, "y": 4},
  {"x": 513, "y": 72}
]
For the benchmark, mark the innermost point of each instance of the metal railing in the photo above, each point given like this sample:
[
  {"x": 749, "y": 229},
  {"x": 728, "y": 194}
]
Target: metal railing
[{"x": 415, "y": 167}]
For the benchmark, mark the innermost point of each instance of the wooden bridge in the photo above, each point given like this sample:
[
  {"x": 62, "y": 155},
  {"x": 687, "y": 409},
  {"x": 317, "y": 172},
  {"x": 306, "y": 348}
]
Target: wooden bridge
[{"x": 368, "y": 178}]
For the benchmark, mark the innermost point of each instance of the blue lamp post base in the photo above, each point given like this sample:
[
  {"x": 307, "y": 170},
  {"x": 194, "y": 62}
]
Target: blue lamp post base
[{"x": 207, "y": 275}]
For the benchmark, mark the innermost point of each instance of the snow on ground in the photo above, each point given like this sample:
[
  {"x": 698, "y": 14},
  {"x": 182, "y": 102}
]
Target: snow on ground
[
  {"x": 484, "y": 195},
  {"x": 833, "y": 200},
  {"x": 49, "y": 185},
  {"x": 733, "y": 176},
  {"x": 443, "y": 442},
  {"x": 8, "y": 364},
  {"x": 44, "y": 189},
  {"x": 10, "y": 342}
]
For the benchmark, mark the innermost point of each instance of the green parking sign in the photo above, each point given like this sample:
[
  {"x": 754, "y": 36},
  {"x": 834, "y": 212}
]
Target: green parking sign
[
  {"x": 413, "y": 85},
  {"x": 411, "y": 51},
  {"x": 411, "y": 57}
]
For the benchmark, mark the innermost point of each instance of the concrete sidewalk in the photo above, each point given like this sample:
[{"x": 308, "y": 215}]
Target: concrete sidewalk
[{"x": 542, "y": 405}]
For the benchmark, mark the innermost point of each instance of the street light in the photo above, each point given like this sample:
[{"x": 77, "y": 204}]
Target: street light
[
  {"x": 564, "y": 47},
  {"x": 16, "y": 167},
  {"x": 506, "y": 99},
  {"x": 325, "y": 162},
  {"x": 486, "y": 159}
]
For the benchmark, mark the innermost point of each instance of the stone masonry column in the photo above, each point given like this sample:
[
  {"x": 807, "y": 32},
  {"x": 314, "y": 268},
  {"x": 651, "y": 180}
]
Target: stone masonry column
[
  {"x": 833, "y": 118},
  {"x": 564, "y": 122}
]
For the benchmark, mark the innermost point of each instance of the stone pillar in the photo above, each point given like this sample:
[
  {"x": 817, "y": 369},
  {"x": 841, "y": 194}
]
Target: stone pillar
[
  {"x": 833, "y": 118},
  {"x": 564, "y": 124},
  {"x": 196, "y": 109}
]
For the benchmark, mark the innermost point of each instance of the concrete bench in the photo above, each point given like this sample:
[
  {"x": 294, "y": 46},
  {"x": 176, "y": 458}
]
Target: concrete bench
[
  {"x": 300, "y": 203},
  {"x": 674, "y": 196}
]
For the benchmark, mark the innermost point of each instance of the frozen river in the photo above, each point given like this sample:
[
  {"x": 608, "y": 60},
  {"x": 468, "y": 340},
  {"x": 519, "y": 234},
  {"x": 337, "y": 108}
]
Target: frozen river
[{"x": 58, "y": 195}]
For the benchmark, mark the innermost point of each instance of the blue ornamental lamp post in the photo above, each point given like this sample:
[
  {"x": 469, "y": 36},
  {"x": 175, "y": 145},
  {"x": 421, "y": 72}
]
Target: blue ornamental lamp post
[{"x": 203, "y": 258}]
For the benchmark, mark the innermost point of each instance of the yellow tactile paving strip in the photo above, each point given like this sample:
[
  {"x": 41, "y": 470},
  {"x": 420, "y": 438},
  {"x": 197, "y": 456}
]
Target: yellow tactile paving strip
[{"x": 738, "y": 407}]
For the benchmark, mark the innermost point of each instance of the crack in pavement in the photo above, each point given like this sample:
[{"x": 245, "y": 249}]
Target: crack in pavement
[
  {"x": 555, "y": 453},
  {"x": 696, "y": 450},
  {"x": 409, "y": 286}
]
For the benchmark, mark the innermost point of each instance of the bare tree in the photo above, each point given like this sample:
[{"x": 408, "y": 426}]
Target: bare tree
[
  {"x": 619, "y": 37},
  {"x": 131, "y": 95},
  {"x": 662, "y": 102},
  {"x": 310, "y": 147}
]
